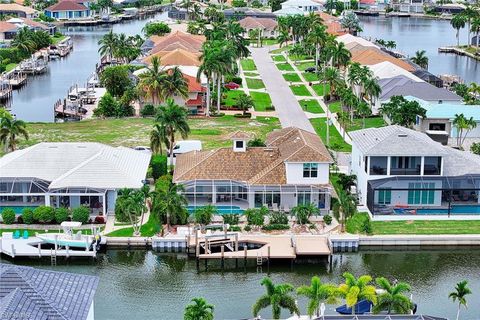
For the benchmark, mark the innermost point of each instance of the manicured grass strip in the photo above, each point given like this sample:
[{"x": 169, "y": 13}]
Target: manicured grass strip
[
  {"x": 230, "y": 97},
  {"x": 279, "y": 58},
  {"x": 300, "y": 90},
  {"x": 284, "y": 67},
  {"x": 335, "y": 107},
  {"x": 10, "y": 66},
  {"x": 261, "y": 100},
  {"x": 373, "y": 122},
  {"x": 304, "y": 65},
  {"x": 310, "y": 76},
  {"x": 149, "y": 229},
  {"x": 280, "y": 50},
  {"x": 426, "y": 227},
  {"x": 336, "y": 140},
  {"x": 299, "y": 57},
  {"x": 319, "y": 88},
  {"x": 130, "y": 132},
  {"x": 291, "y": 77},
  {"x": 311, "y": 106},
  {"x": 248, "y": 65},
  {"x": 250, "y": 74},
  {"x": 255, "y": 83}
]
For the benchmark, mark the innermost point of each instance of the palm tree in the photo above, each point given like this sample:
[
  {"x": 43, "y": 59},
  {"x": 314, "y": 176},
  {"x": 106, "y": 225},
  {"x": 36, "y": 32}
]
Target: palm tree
[
  {"x": 108, "y": 45},
  {"x": 277, "y": 296},
  {"x": 318, "y": 37},
  {"x": 355, "y": 289},
  {"x": 332, "y": 76},
  {"x": 173, "y": 84},
  {"x": 10, "y": 130},
  {"x": 316, "y": 293},
  {"x": 174, "y": 119},
  {"x": 469, "y": 13},
  {"x": 23, "y": 41},
  {"x": 340, "y": 55},
  {"x": 158, "y": 137},
  {"x": 150, "y": 82},
  {"x": 169, "y": 204},
  {"x": 476, "y": 28},
  {"x": 393, "y": 297},
  {"x": 199, "y": 310},
  {"x": 460, "y": 293},
  {"x": 244, "y": 102},
  {"x": 463, "y": 125},
  {"x": 283, "y": 37},
  {"x": 458, "y": 22},
  {"x": 372, "y": 89},
  {"x": 363, "y": 110},
  {"x": 391, "y": 44},
  {"x": 304, "y": 211},
  {"x": 421, "y": 59},
  {"x": 344, "y": 207}
]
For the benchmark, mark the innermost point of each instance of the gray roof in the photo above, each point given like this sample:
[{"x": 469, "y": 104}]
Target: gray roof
[
  {"x": 400, "y": 141},
  {"x": 30, "y": 293},
  {"x": 402, "y": 86}
]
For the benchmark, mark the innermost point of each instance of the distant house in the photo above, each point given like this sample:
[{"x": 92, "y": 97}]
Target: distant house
[
  {"x": 429, "y": 77},
  {"x": 409, "y": 6},
  {"x": 450, "y": 8},
  {"x": 404, "y": 173},
  {"x": 33, "y": 25},
  {"x": 30, "y": 293},
  {"x": 267, "y": 26},
  {"x": 304, "y": 5},
  {"x": 14, "y": 9},
  {"x": 67, "y": 10},
  {"x": 293, "y": 169},
  {"x": 7, "y": 31},
  {"x": 332, "y": 23},
  {"x": 240, "y": 13}
]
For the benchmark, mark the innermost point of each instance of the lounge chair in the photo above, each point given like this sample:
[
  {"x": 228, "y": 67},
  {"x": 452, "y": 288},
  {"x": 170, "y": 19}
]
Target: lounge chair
[
  {"x": 25, "y": 234},
  {"x": 275, "y": 207},
  {"x": 16, "y": 234}
]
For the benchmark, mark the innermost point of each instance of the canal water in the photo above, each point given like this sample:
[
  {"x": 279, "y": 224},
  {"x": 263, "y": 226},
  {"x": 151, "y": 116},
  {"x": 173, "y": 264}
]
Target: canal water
[
  {"x": 147, "y": 285},
  {"x": 413, "y": 34},
  {"x": 34, "y": 102}
]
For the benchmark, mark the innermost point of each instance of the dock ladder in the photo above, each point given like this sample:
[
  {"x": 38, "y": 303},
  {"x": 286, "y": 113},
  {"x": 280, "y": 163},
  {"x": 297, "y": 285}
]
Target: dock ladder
[
  {"x": 259, "y": 259},
  {"x": 53, "y": 257}
]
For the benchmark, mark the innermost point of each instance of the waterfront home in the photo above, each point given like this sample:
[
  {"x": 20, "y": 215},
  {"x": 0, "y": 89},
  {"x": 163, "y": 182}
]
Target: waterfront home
[
  {"x": 349, "y": 39},
  {"x": 70, "y": 174},
  {"x": 267, "y": 26},
  {"x": 305, "y": 6},
  {"x": 372, "y": 55},
  {"x": 438, "y": 121},
  {"x": 7, "y": 31},
  {"x": 239, "y": 13},
  {"x": 332, "y": 23},
  {"x": 289, "y": 11},
  {"x": 428, "y": 77},
  {"x": 177, "y": 40},
  {"x": 388, "y": 70},
  {"x": 415, "y": 6},
  {"x": 33, "y": 25},
  {"x": 17, "y": 10},
  {"x": 401, "y": 171},
  {"x": 31, "y": 293},
  {"x": 177, "y": 57},
  {"x": 67, "y": 10},
  {"x": 292, "y": 169}
]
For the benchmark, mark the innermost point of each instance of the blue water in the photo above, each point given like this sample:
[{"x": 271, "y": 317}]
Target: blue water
[
  {"x": 220, "y": 209},
  {"x": 16, "y": 209},
  {"x": 455, "y": 210}
]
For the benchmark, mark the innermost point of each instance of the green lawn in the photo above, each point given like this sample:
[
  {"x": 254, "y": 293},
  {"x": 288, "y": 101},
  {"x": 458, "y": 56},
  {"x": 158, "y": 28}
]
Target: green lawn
[
  {"x": 149, "y": 229},
  {"x": 248, "y": 65},
  {"x": 304, "y": 65},
  {"x": 130, "y": 132},
  {"x": 279, "y": 58},
  {"x": 284, "y": 67},
  {"x": 299, "y": 57},
  {"x": 280, "y": 50},
  {"x": 373, "y": 122},
  {"x": 10, "y": 66},
  {"x": 310, "y": 76},
  {"x": 335, "y": 107},
  {"x": 291, "y": 77},
  {"x": 336, "y": 141},
  {"x": 300, "y": 90},
  {"x": 231, "y": 97},
  {"x": 318, "y": 88},
  {"x": 250, "y": 74},
  {"x": 426, "y": 227},
  {"x": 255, "y": 83},
  {"x": 261, "y": 100},
  {"x": 56, "y": 40},
  {"x": 311, "y": 106}
]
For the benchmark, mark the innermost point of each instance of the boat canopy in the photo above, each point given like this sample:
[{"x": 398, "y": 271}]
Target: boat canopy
[{"x": 70, "y": 224}]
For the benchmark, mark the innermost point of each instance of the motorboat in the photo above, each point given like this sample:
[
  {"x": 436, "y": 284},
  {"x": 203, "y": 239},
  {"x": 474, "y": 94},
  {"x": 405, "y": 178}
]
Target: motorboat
[{"x": 68, "y": 238}]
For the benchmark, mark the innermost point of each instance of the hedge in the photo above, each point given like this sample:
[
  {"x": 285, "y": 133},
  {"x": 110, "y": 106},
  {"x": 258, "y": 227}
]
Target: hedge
[
  {"x": 61, "y": 215},
  {"x": 81, "y": 214},
  {"x": 44, "y": 214},
  {"x": 159, "y": 166},
  {"x": 8, "y": 216}
]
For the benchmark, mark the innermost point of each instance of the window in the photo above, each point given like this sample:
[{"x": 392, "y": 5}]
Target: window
[
  {"x": 378, "y": 166},
  {"x": 303, "y": 197},
  {"x": 239, "y": 144},
  {"x": 310, "y": 170},
  {"x": 365, "y": 160},
  {"x": 436, "y": 126},
  {"x": 432, "y": 166},
  {"x": 384, "y": 196},
  {"x": 421, "y": 193},
  {"x": 405, "y": 165}
]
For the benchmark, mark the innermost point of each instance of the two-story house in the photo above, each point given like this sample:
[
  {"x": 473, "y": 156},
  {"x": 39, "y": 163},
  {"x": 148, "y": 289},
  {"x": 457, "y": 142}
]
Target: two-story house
[
  {"x": 292, "y": 169},
  {"x": 403, "y": 171}
]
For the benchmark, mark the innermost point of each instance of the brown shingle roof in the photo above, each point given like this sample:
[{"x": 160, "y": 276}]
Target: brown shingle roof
[
  {"x": 67, "y": 5},
  {"x": 187, "y": 41},
  {"x": 178, "y": 57},
  {"x": 240, "y": 135},
  {"x": 371, "y": 56},
  {"x": 256, "y": 165},
  {"x": 7, "y": 26},
  {"x": 16, "y": 7},
  {"x": 262, "y": 23}
]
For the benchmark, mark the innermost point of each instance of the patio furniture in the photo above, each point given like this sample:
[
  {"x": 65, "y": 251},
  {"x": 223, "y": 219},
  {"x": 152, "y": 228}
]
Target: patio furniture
[
  {"x": 25, "y": 234},
  {"x": 275, "y": 207},
  {"x": 16, "y": 234}
]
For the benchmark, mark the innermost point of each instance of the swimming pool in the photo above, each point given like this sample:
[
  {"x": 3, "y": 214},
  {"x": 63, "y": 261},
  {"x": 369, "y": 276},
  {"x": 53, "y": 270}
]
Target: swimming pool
[
  {"x": 220, "y": 209},
  {"x": 455, "y": 210},
  {"x": 16, "y": 209}
]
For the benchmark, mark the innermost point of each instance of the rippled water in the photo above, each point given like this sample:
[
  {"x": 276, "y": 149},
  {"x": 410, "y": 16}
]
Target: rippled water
[
  {"x": 147, "y": 285},
  {"x": 412, "y": 34}
]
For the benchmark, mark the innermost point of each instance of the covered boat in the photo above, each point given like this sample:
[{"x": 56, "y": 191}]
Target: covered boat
[{"x": 68, "y": 238}]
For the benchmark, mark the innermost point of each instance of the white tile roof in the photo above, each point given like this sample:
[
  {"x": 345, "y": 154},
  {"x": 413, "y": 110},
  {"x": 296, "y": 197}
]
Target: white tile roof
[
  {"x": 71, "y": 164},
  {"x": 387, "y": 69},
  {"x": 348, "y": 38}
]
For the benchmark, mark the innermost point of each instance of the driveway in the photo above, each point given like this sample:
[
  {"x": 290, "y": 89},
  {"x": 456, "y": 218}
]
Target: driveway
[{"x": 286, "y": 105}]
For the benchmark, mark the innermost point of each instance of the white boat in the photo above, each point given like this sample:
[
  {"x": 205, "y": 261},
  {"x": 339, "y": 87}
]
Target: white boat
[{"x": 68, "y": 238}]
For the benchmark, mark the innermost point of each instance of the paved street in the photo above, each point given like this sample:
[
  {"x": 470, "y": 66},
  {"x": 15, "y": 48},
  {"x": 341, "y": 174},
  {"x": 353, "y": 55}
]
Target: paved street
[{"x": 286, "y": 105}]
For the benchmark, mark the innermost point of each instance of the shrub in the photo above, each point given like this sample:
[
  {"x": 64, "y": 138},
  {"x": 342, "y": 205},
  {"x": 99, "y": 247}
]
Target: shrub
[
  {"x": 271, "y": 227},
  {"x": 147, "y": 110},
  {"x": 159, "y": 166},
  {"x": 8, "y": 216},
  {"x": 61, "y": 214},
  {"x": 20, "y": 219},
  {"x": 367, "y": 227},
  {"x": 475, "y": 148},
  {"x": 205, "y": 214},
  {"x": 99, "y": 220},
  {"x": 239, "y": 3},
  {"x": 255, "y": 217},
  {"x": 231, "y": 219},
  {"x": 278, "y": 218},
  {"x": 237, "y": 80},
  {"x": 81, "y": 214},
  {"x": 247, "y": 228},
  {"x": 44, "y": 214},
  {"x": 235, "y": 228},
  {"x": 327, "y": 219},
  {"x": 156, "y": 28},
  {"x": 27, "y": 216}
]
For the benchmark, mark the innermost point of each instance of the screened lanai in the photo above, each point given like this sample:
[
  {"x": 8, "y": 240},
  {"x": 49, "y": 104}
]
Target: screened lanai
[{"x": 424, "y": 195}]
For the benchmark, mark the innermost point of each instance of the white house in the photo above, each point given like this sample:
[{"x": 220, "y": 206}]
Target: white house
[
  {"x": 292, "y": 169},
  {"x": 70, "y": 174},
  {"x": 305, "y": 6},
  {"x": 403, "y": 171}
]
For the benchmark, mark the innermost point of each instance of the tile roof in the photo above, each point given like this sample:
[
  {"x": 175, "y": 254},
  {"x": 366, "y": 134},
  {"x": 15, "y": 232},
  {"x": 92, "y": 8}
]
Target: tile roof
[
  {"x": 43, "y": 294},
  {"x": 239, "y": 135},
  {"x": 387, "y": 69},
  {"x": 193, "y": 84},
  {"x": 177, "y": 57},
  {"x": 256, "y": 166},
  {"x": 67, "y": 5},
  {"x": 372, "y": 55},
  {"x": 261, "y": 23},
  {"x": 7, "y": 26},
  {"x": 348, "y": 38},
  {"x": 402, "y": 86},
  {"x": 188, "y": 41},
  {"x": 16, "y": 7},
  {"x": 448, "y": 111}
]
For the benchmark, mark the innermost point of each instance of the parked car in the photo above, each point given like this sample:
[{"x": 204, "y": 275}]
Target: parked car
[
  {"x": 232, "y": 85},
  {"x": 310, "y": 69},
  {"x": 143, "y": 149}
]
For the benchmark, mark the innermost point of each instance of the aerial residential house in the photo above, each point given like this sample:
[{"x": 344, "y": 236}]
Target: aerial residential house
[
  {"x": 70, "y": 175},
  {"x": 33, "y": 25},
  {"x": 372, "y": 55},
  {"x": 305, "y": 6},
  {"x": 410, "y": 6},
  {"x": 30, "y": 293},
  {"x": 17, "y": 10},
  {"x": 267, "y": 26},
  {"x": 332, "y": 23},
  {"x": 7, "y": 31},
  {"x": 177, "y": 57},
  {"x": 67, "y": 10},
  {"x": 292, "y": 169},
  {"x": 402, "y": 172}
]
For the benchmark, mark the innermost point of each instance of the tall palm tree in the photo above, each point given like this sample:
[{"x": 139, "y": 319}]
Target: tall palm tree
[
  {"x": 340, "y": 55},
  {"x": 372, "y": 90},
  {"x": 354, "y": 289},
  {"x": 283, "y": 37},
  {"x": 469, "y": 14},
  {"x": 23, "y": 41},
  {"x": 460, "y": 294},
  {"x": 458, "y": 22},
  {"x": 277, "y": 296},
  {"x": 393, "y": 297},
  {"x": 318, "y": 37},
  {"x": 174, "y": 119},
  {"x": 421, "y": 59},
  {"x": 174, "y": 84},
  {"x": 170, "y": 204},
  {"x": 363, "y": 110},
  {"x": 10, "y": 131},
  {"x": 316, "y": 293},
  {"x": 108, "y": 44},
  {"x": 199, "y": 310},
  {"x": 344, "y": 207},
  {"x": 476, "y": 29},
  {"x": 464, "y": 126},
  {"x": 150, "y": 82},
  {"x": 332, "y": 76},
  {"x": 158, "y": 137}
]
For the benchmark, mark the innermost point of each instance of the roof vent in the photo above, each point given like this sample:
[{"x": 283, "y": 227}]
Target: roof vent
[
  {"x": 53, "y": 147},
  {"x": 402, "y": 135}
]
